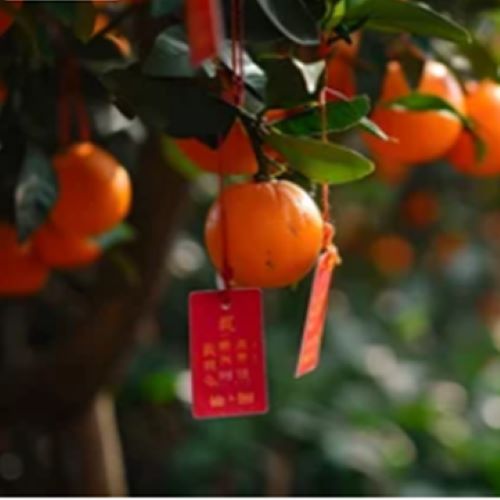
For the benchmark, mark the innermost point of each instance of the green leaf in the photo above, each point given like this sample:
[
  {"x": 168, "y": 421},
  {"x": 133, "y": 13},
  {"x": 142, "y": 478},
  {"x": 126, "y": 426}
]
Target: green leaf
[
  {"x": 340, "y": 116},
  {"x": 160, "y": 8},
  {"x": 483, "y": 62},
  {"x": 321, "y": 161},
  {"x": 426, "y": 102},
  {"x": 286, "y": 86},
  {"x": 35, "y": 194},
  {"x": 170, "y": 55},
  {"x": 293, "y": 19},
  {"x": 158, "y": 387},
  {"x": 406, "y": 16},
  {"x": 116, "y": 236},
  {"x": 177, "y": 160},
  {"x": 336, "y": 10},
  {"x": 416, "y": 101},
  {"x": 255, "y": 77},
  {"x": 178, "y": 107},
  {"x": 102, "y": 55},
  {"x": 372, "y": 128}
]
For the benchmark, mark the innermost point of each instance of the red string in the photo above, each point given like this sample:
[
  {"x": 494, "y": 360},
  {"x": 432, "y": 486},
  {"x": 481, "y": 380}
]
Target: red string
[
  {"x": 227, "y": 273},
  {"x": 82, "y": 116},
  {"x": 325, "y": 189},
  {"x": 237, "y": 53},
  {"x": 70, "y": 98},
  {"x": 237, "y": 61}
]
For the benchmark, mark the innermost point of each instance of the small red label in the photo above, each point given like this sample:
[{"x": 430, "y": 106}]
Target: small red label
[
  {"x": 227, "y": 353},
  {"x": 316, "y": 313},
  {"x": 204, "y": 28}
]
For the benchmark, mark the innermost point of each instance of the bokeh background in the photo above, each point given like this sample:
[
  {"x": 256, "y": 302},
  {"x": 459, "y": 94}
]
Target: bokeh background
[
  {"x": 407, "y": 397},
  {"x": 406, "y": 401}
]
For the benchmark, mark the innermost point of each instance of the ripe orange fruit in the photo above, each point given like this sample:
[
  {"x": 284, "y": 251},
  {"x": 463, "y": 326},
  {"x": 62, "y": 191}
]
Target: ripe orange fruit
[
  {"x": 419, "y": 136},
  {"x": 58, "y": 249},
  {"x": 234, "y": 156},
  {"x": 273, "y": 231},
  {"x": 94, "y": 190},
  {"x": 392, "y": 255},
  {"x": 20, "y": 272},
  {"x": 340, "y": 74},
  {"x": 483, "y": 106},
  {"x": 6, "y": 19}
]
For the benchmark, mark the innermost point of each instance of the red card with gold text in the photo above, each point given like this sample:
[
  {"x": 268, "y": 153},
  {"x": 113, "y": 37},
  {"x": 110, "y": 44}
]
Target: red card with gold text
[
  {"x": 227, "y": 353},
  {"x": 204, "y": 29},
  {"x": 316, "y": 314}
]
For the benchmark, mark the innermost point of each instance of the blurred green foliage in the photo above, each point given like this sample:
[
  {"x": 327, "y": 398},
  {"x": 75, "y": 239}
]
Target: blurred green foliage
[{"x": 407, "y": 398}]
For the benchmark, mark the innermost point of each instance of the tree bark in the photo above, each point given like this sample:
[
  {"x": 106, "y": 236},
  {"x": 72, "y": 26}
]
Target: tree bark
[
  {"x": 93, "y": 437},
  {"x": 61, "y": 385}
]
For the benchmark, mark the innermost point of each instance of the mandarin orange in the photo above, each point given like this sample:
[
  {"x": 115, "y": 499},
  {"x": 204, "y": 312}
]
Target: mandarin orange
[
  {"x": 272, "y": 232},
  {"x": 419, "y": 137},
  {"x": 483, "y": 106},
  {"x": 95, "y": 191},
  {"x": 21, "y": 273}
]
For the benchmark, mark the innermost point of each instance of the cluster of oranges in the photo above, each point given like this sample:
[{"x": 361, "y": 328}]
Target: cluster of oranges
[
  {"x": 94, "y": 196},
  {"x": 420, "y": 137}
]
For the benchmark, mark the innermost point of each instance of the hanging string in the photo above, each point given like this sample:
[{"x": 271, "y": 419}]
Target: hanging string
[
  {"x": 82, "y": 116},
  {"x": 71, "y": 99},
  {"x": 325, "y": 189},
  {"x": 237, "y": 53},
  {"x": 237, "y": 61}
]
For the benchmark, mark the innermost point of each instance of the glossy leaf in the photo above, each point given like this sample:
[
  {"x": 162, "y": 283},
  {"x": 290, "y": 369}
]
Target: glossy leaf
[
  {"x": 483, "y": 62},
  {"x": 164, "y": 7},
  {"x": 286, "y": 86},
  {"x": 405, "y": 16},
  {"x": 35, "y": 194},
  {"x": 372, "y": 128},
  {"x": 178, "y": 107},
  {"x": 321, "y": 161},
  {"x": 293, "y": 19},
  {"x": 336, "y": 10},
  {"x": 170, "y": 55},
  {"x": 116, "y": 236},
  {"x": 426, "y": 102},
  {"x": 340, "y": 116}
]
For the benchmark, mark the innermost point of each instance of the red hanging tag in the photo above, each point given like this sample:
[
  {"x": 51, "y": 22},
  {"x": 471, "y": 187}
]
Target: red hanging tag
[
  {"x": 227, "y": 353},
  {"x": 312, "y": 337},
  {"x": 204, "y": 28}
]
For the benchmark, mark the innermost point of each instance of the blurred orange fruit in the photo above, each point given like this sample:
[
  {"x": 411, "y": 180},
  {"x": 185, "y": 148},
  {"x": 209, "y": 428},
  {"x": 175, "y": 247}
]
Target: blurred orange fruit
[
  {"x": 392, "y": 255},
  {"x": 273, "y": 232},
  {"x": 20, "y": 272},
  {"x": 483, "y": 106},
  {"x": 234, "y": 156},
  {"x": 58, "y": 249},
  {"x": 419, "y": 136},
  {"x": 95, "y": 191},
  {"x": 340, "y": 74},
  {"x": 421, "y": 209}
]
